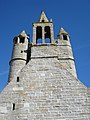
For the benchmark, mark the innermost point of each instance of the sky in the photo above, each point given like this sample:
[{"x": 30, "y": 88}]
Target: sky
[{"x": 72, "y": 15}]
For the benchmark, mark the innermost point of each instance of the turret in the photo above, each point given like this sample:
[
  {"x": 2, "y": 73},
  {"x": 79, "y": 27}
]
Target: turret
[
  {"x": 19, "y": 55},
  {"x": 63, "y": 36},
  {"x": 66, "y": 55}
]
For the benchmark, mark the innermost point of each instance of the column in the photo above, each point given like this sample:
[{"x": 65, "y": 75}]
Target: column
[
  {"x": 52, "y": 34},
  {"x": 34, "y": 35},
  {"x": 68, "y": 37},
  {"x": 43, "y": 35},
  {"x": 18, "y": 40}
]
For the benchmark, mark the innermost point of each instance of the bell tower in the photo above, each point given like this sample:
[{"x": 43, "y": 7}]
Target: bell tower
[{"x": 43, "y": 30}]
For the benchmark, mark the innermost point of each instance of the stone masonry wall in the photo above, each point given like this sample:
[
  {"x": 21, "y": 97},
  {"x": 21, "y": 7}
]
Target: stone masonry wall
[
  {"x": 46, "y": 91},
  {"x": 62, "y": 52}
]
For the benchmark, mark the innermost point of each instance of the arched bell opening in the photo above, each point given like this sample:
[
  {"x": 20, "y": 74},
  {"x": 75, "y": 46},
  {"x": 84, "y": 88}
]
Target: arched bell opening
[
  {"x": 47, "y": 34},
  {"x": 39, "y": 34},
  {"x": 43, "y": 20},
  {"x": 22, "y": 39},
  {"x": 65, "y": 37}
]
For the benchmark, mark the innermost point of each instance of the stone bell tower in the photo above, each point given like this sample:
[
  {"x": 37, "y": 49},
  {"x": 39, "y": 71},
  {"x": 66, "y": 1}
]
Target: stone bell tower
[
  {"x": 43, "y": 29},
  {"x": 43, "y": 34},
  {"x": 43, "y": 83}
]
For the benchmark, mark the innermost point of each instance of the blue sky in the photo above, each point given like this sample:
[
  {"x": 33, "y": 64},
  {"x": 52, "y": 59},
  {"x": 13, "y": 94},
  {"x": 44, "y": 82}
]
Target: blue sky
[{"x": 72, "y": 15}]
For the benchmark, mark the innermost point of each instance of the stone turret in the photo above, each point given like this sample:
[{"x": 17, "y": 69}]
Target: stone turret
[
  {"x": 19, "y": 55},
  {"x": 63, "y": 35},
  {"x": 66, "y": 55}
]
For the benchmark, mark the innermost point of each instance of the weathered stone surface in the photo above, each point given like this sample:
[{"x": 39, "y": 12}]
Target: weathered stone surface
[
  {"x": 49, "y": 92},
  {"x": 46, "y": 87}
]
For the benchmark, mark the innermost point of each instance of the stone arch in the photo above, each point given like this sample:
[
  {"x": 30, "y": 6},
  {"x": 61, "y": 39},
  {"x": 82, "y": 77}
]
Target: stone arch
[
  {"x": 65, "y": 37},
  {"x": 39, "y": 34},
  {"x": 47, "y": 34}
]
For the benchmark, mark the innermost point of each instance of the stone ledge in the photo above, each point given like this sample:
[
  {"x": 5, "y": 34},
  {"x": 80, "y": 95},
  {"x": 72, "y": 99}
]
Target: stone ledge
[
  {"x": 44, "y": 57},
  {"x": 47, "y": 44},
  {"x": 16, "y": 59}
]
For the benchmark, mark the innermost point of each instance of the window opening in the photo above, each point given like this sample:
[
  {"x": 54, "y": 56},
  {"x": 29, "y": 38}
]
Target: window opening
[
  {"x": 65, "y": 37},
  {"x": 42, "y": 20},
  {"x": 13, "y": 106},
  {"x": 39, "y": 40},
  {"x": 17, "y": 79},
  {"x": 47, "y": 35},
  {"x": 22, "y": 40},
  {"x": 47, "y": 40},
  {"x": 21, "y": 51},
  {"x": 39, "y": 34}
]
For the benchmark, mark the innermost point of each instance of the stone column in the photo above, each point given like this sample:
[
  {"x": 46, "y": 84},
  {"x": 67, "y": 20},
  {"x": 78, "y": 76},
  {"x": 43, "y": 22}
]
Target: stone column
[
  {"x": 43, "y": 35},
  {"x": 68, "y": 37},
  {"x": 52, "y": 34},
  {"x": 34, "y": 35},
  {"x": 18, "y": 40}
]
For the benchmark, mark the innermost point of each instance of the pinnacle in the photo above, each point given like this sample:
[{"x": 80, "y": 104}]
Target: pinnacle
[
  {"x": 43, "y": 17},
  {"x": 23, "y": 33},
  {"x": 62, "y": 31}
]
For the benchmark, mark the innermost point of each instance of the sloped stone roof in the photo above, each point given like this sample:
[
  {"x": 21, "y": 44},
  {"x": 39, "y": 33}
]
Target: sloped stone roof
[
  {"x": 43, "y": 17},
  {"x": 62, "y": 31}
]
